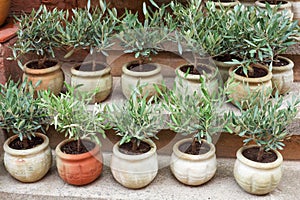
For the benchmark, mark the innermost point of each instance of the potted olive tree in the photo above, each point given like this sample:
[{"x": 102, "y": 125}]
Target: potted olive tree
[
  {"x": 78, "y": 159},
  {"x": 258, "y": 168},
  {"x": 91, "y": 29},
  {"x": 134, "y": 161},
  {"x": 143, "y": 39},
  {"x": 27, "y": 154},
  {"x": 37, "y": 38},
  {"x": 193, "y": 161}
]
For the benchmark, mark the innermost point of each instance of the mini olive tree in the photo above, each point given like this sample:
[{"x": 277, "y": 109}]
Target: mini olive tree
[
  {"x": 136, "y": 119},
  {"x": 198, "y": 115},
  {"x": 89, "y": 28},
  {"x": 20, "y": 110},
  {"x": 147, "y": 38},
  {"x": 37, "y": 34},
  {"x": 71, "y": 116},
  {"x": 265, "y": 123}
]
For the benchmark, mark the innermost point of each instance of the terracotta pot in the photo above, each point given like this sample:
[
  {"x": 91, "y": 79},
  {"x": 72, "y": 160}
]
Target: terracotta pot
[
  {"x": 285, "y": 6},
  {"x": 193, "y": 169},
  {"x": 257, "y": 178},
  {"x": 79, "y": 169},
  {"x": 130, "y": 79},
  {"x": 28, "y": 165},
  {"x": 52, "y": 78},
  {"x": 100, "y": 80},
  {"x": 242, "y": 87},
  {"x": 4, "y": 10},
  {"x": 190, "y": 83},
  {"x": 134, "y": 171},
  {"x": 283, "y": 77}
]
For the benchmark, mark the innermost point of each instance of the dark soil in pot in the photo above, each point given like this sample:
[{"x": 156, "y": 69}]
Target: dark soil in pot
[
  {"x": 71, "y": 147},
  {"x": 45, "y": 65},
  {"x": 274, "y": 2},
  {"x": 258, "y": 72},
  {"x": 135, "y": 67},
  {"x": 223, "y": 1},
  {"x": 200, "y": 148},
  {"x": 25, "y": 143},
  {"x": 251, "y": 154},
  {"x": 199, "y": 70},
  {"x": 88, "y": 67},
  {"x": 126, "y": 148},
  {"x": 280, "y": 62},
  {"x": 226, "y": 57}
]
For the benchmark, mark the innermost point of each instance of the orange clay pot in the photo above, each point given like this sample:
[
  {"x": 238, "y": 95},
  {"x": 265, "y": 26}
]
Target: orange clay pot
[{"x": 80, "y": 169}]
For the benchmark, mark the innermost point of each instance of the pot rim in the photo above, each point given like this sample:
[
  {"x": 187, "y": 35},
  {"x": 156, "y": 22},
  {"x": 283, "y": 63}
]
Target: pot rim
[
  {"x": 151, "y": 152},
  {"x": 186, "y": 156},
  {"x": 258, "y": 165},
  {"x": 227, "y": 4},
  {"x": 261, "y": 4},
  {"x": 285, "y": 67},
  {"x": 126, "y": 71},
  {"x": 181, "y": 74},
  {"x": 41, "y": 71},
  {"x": 82, "y": 156},
  {"x": 101, "y": 72},
  {"x": 26, "y": 152},
  {"x": 266, "y": 78}
]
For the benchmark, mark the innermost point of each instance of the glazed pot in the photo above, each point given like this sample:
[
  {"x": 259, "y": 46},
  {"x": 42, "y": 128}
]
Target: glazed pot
[
  {"x": 4, "y": 10},
  {"x": 28, "y": 165},
  {"x": 284, "y": 6},
  {"x": 130, "y": 79},
  {"x": 100, "y": 80},
  {"x": 242, "y": 88},
  {"x": 223, "y": 68},
  {"x": 257, "y": 178},
  {"x": 283, "y": 77},
  {"x": 79, "y": 169},
  {"x": 134, "y": 171},
  {"x": 193, "y": 169},
  {"x": 52, "y": 77},
  {"x": 190, "y": 83}
]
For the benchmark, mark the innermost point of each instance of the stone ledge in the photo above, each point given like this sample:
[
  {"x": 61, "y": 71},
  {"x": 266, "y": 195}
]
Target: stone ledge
[{"x": 164, "y": 186}]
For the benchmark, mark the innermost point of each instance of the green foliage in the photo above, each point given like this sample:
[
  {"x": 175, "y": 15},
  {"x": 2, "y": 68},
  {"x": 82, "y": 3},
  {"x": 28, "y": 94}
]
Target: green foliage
[
  {"x": 137, "y": 118},
  {"x": 198, "y": 114},
  {"x": 20, "y": 111},
  {"x": 89, "y": 28},
  {"x": 145, "y": 38},
  {"x": 70, "y": 115},
  {"x": 37, "y": 33},
  {"x": 265, "y": 123}
]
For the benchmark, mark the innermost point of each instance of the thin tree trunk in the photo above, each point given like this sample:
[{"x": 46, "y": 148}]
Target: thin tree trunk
[
  {"x": 134, "y": 144},
  {"x": 260, "y": 153},
  {"x": 194, "y": 146}
]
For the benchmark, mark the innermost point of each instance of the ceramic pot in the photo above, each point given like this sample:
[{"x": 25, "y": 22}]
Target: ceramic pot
[
  {"x": 242, "y": 87},
  {"x": 283, "y": 76},
  {"x": 223, "y": 68},
  {"x": 4, "y": 10},
  {"x": 79, "y": 169},
  {"x": 257, "y": 178},
  {"x": 28, "y": 165},
  {"x": 296, "y": 10},
  {"x": 52, "y": 77},
  {"x": 190, "y": 83},
  {"x": 100, "y": 80},
  {"x": 193, "y": 169},
  {"x": 130, "y": 79},
  {"x": 134, "y": 171},
  {"x": 231, "y": 4},
  {"x": 285, "y": 6}
]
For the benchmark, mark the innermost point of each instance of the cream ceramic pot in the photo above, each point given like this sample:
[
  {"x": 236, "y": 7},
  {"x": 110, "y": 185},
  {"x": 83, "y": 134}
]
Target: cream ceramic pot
[
  {"x": 100, "y": 80},
  {"x": 193, "y": 169},
  {"x": 257, "y": 178},
  {"x": 134, "y": 171},
  {"x": 28, "y": 165},
  {"x": 283, "y": 77},
  {"x": 130, "y": 79}
]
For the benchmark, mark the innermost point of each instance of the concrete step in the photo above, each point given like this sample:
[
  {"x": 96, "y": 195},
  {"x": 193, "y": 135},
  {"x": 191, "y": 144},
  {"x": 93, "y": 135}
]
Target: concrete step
[{"x": 164, "y": 186}]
